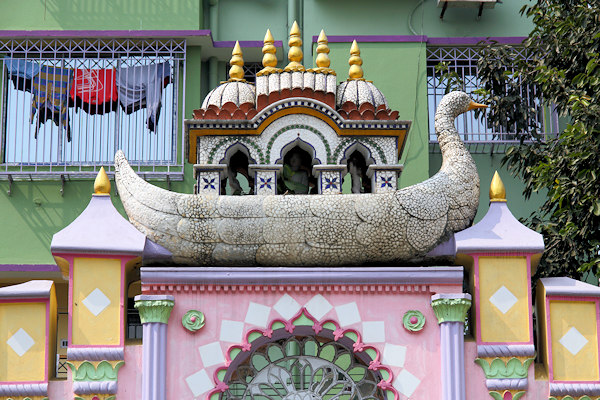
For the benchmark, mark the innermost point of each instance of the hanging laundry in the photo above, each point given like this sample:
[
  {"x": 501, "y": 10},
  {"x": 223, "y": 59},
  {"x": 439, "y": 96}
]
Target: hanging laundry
[
  {"x": 94, "y": 90},
  {"x": 21, "y": 72},
  {"x": 50, "y": 97},
  {"x": 142, "y": 87}
]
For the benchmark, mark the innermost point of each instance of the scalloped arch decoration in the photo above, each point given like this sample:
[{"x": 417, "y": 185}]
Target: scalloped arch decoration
[{"x": 304, "y": 325}]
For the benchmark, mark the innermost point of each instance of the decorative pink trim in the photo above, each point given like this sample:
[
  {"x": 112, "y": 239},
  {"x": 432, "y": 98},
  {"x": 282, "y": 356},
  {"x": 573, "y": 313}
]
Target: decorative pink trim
[
  {"x": 21, "y": 382},
  {"x": 477, "y": 298},
  {"x": 69, "y": 258},
  {"x": 530, "y": 300},
  {"x": 587, "y": 299},
  {"x": 187, "y": 288},
  {"x": 317, "y": 327},
  {"x": 549, "y": 341},
  {"x": 47, "y": 349},
  {"x": 502, "y": 253}
]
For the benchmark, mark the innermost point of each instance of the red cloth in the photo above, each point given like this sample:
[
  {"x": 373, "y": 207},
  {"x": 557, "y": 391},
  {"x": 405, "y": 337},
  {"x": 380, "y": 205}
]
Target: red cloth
[{"x": 94, "y": 86}]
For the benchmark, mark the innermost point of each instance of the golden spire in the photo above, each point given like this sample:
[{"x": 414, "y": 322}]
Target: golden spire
[
  {"x": 102, "y": 183},
  {"x": 269, "y": 60},
  {"x": 323, "y": 61},
  {"x": 497, "y": 190},
  {"x": 236, "y": 72},
  {"x": 355, "y": 72},
  {"x": 295, "y": 53}
]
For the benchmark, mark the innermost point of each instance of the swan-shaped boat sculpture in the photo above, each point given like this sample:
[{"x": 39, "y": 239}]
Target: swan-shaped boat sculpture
[{"x": 313, "y": 230}]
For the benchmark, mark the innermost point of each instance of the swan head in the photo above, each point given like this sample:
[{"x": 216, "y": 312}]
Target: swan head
[{"x": 456, "y": 103}]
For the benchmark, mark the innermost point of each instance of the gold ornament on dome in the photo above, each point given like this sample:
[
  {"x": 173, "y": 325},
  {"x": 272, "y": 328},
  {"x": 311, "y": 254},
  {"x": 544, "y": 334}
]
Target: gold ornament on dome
[
  {"x": 295, "y": 54},
  {"x": 497, "y": 189},
  {"x": 323, "y": 62},
  {"x": 236, "y": 72},
  {"x": 269, "y": 60},
  {"x": 355, "y": 72}
]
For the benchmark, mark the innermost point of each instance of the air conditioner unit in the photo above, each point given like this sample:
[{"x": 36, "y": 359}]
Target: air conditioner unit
[{"x": 480, "y": 4}]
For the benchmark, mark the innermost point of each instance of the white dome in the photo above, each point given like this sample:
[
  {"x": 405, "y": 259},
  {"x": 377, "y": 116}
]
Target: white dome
[
  {"x": 237, "y": 93},
  {"x": 359, "y": 92}
]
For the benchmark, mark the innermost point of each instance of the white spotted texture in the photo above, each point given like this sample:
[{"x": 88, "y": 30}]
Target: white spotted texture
[{"x": 312, "y": 230}]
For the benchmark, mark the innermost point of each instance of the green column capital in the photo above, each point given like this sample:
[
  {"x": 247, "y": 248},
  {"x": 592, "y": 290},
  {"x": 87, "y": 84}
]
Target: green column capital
[
  {"x": 154, "y": 308},
  {"x": 451, "y": 307}
]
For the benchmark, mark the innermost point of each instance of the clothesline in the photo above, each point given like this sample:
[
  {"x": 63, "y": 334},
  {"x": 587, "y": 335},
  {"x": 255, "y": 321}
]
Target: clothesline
[{"x": 97, "y": 91}]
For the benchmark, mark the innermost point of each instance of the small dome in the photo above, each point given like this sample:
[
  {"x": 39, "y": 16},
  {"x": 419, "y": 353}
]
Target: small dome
[
  {"x": 237, "y": 93},
  {"x": 360, "y": 92}
]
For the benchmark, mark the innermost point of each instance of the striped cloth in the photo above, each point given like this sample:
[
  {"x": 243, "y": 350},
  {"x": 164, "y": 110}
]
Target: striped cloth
[{"x": 50, "y": 96}]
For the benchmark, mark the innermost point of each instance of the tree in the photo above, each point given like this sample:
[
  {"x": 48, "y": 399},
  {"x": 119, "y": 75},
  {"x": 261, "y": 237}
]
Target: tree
[{"x": 560, "y": 61}]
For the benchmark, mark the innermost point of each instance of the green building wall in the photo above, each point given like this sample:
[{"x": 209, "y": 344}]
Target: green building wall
[{"x": 36, "y": 209}]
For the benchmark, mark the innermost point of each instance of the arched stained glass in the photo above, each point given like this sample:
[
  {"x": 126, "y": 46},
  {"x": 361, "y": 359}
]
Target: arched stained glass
[{"x": 302, "y": 367}]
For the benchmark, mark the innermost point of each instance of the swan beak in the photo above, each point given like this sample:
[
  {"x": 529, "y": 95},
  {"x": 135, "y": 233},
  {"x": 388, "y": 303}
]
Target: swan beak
[{"x": 474, "y": 105}]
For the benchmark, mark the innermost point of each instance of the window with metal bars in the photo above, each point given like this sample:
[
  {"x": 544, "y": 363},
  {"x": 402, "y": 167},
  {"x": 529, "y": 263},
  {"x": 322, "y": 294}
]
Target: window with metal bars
[
  {"x": 250, "y": 71},
  {"x": 68, "y": 105},
  {"x": 475, "y": 132}
]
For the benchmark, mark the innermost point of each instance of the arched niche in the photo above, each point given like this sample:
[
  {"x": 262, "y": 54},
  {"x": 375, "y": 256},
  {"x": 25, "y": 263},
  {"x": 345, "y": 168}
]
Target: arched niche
[
  {"x": 318, "y": 138},
  {"x": 237, "y": 179},
  {"x": 307, "y": 147},
  {"x": 358, "y": 157},
  {"x": 362, "y": 149},
  {"x": 298, "y": 179},
  {"x": 234, "y": 148}
]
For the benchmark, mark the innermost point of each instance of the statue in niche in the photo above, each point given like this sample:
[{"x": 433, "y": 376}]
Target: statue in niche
[
  {"x": 357, "y": 167},
  {"x": 297, "y": 174},
  {"x": 238, "y": 164}
]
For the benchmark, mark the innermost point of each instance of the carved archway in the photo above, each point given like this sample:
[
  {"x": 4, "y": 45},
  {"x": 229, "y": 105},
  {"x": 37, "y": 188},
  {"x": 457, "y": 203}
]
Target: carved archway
[{"x": 302, "y": 359}]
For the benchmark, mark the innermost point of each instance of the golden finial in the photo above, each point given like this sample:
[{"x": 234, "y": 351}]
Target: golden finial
[
  {"x": 295, "y": 53},
  {"x": 269, "y": 60},
  {"x": 323, "y": 61},
  {"x": 236, "y": 72},
  {"x": 355, "y": 72},
  {"x": 497, "y": 190},
  {"x": 102, "y": 183}
]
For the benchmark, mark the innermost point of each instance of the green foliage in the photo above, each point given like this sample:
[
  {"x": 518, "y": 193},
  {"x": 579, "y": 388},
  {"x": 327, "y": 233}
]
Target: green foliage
[
  {"x": 449, "y": 78},
  {"x": 562, "y": 63}
]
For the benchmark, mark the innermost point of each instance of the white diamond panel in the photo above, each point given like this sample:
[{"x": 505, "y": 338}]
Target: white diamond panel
[
  {"x": 406, "y": 383},
  {"x": 318, "y": 306},
  {"x": 96, "y": 302},
  {"x": 348, "y": 314},
  {"x": 394, "y": 355},
  {"x": 231, "y": 331},
  {"x": 503, "y": 299},
  {"x": 211, "y": 354},
  {"x": 20, "y": 342},
  {"x": 258, "y": 314},
  {"x": 573, "y": 341},
  {"x": 287, "y": 307},
  {"x": 199, "y": 383}
]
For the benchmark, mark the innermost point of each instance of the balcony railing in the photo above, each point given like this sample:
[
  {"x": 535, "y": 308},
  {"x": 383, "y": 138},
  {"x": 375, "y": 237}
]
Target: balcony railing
[
  {"x": 475, "y": 132},
  {"x": 68, "y": 105}
]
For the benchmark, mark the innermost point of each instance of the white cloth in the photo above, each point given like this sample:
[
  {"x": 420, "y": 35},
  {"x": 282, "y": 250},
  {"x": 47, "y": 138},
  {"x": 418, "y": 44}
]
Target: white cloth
[{"x": 142, "y": 87}]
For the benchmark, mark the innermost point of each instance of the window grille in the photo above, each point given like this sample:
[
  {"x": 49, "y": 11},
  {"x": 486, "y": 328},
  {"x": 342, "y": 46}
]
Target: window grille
[
  {"x": 250, "y": 71},
  {"x": 61, "y": 366},
  {"x": 475, "y": 132},
  {"x": 135, "y": 328},
  {"x": 78, "y": 141}
]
